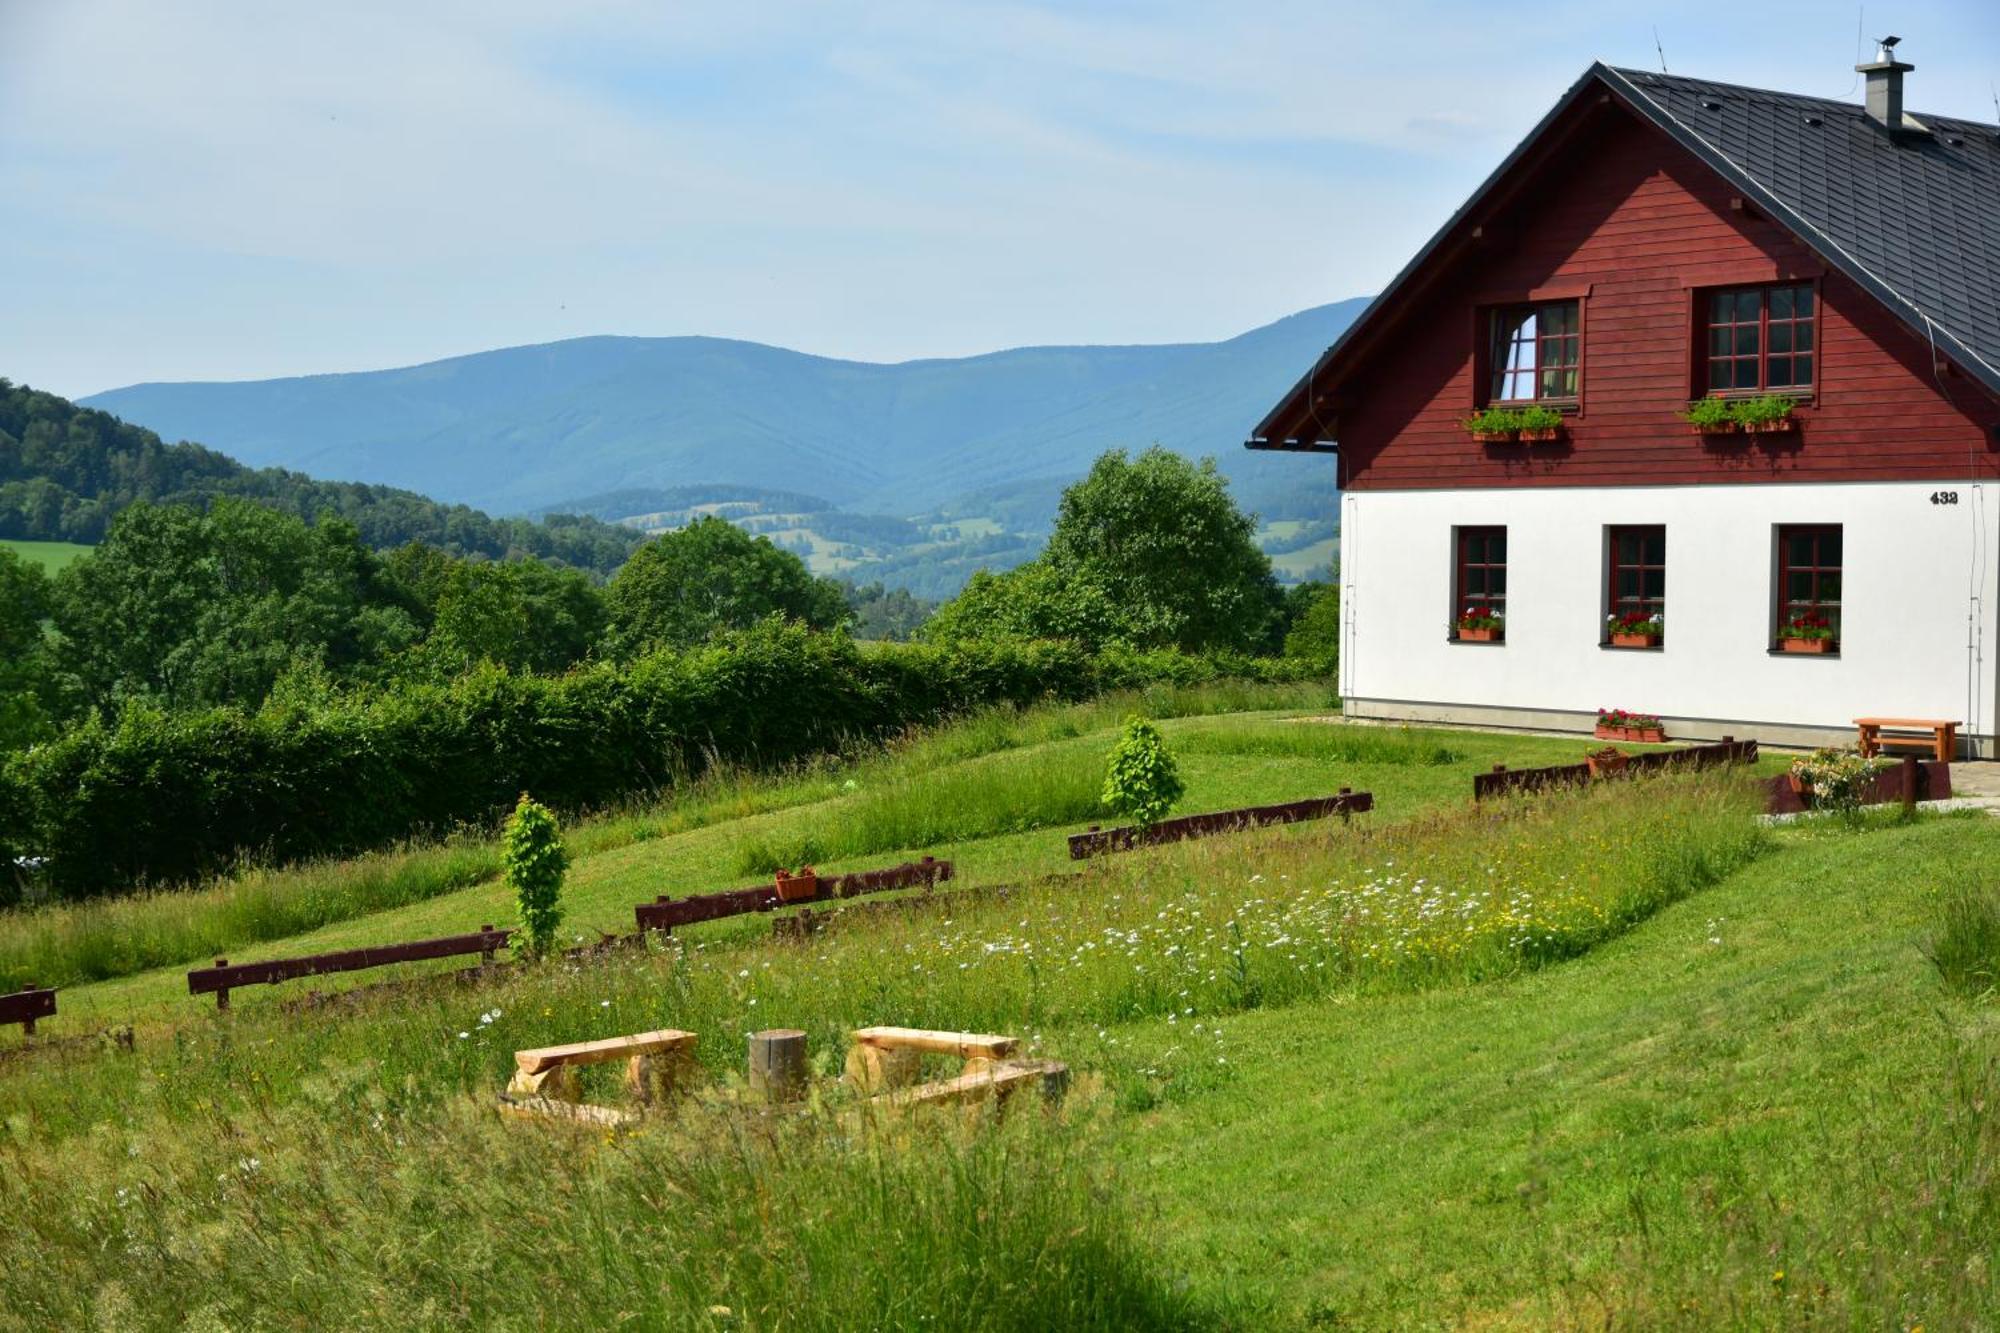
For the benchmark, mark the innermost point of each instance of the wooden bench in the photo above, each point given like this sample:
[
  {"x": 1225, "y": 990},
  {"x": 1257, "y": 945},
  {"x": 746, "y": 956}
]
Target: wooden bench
[
  {"x": 655, "y": 1062},
  {"x": 27, "y": 1005},
  {"x": 886, "y": 1061},
  {"x": 1879, "y": 731},
  {"x": 226, "y": 976}
]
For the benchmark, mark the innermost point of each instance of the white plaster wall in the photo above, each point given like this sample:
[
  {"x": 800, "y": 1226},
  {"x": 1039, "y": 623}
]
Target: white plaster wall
[{"x": 1918, "y": 633}]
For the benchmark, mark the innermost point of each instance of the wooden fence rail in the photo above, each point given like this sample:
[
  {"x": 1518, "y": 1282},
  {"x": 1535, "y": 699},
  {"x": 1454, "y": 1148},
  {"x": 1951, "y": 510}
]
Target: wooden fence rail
[
  {"x": 225, "y": 976},
  {"x": 665, "y": 913},
  {"x": 26, "y": 1006},
  {"x": 1098, "y": 841},
  {"x": 1503, "y": 780}
]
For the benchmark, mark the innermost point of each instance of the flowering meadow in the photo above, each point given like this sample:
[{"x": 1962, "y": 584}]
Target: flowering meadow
[{"x": 352, "y": 1149}]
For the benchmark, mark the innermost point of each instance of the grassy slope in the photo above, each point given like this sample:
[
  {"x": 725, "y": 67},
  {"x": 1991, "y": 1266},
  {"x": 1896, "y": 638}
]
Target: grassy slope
[
  {"x": 603, "y": 888},
  {"x": 51, "y": 556},
  {"x": 1756, "y": 1109},
  {"x": 1730, "y": 1117}
]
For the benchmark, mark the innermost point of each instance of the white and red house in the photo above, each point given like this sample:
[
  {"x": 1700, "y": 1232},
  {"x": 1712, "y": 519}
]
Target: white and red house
[{"x": 1653, "y": 242}]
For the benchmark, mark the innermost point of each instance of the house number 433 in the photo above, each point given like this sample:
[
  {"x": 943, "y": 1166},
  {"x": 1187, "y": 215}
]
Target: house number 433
[{"x": 1944, "y": 497}]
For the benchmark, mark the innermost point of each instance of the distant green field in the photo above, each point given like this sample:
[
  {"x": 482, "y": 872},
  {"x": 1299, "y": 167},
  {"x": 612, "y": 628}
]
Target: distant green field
[
  {"x": 1308, "y": 562},
  {"x": 51, "y": 556}
]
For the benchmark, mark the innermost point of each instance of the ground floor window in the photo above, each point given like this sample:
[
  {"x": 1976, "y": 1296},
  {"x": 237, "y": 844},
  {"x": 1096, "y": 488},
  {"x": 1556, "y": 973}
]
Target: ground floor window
[
  {"x": 1809, "y": 562},
  {"x": 1636, "y": 584},
  {"x": 1481, "y": 602}
]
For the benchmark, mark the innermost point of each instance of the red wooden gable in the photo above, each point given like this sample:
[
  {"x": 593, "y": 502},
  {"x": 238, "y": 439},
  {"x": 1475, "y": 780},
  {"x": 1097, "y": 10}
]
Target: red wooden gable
[{"x": 1604, "y": 207}]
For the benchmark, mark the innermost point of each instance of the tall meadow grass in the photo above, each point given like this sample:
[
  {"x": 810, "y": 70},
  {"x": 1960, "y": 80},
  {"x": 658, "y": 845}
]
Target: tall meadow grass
[{"x": 348, "y": 1211}]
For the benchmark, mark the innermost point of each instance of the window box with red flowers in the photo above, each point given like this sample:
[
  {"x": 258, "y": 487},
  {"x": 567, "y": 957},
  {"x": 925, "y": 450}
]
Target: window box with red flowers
[
  {"x": 1615, "y": 724},
  {"x": 1482, "y": 625},
  {"x": 1636, "y": 629},
  {"x": 1807, "y": 632}
]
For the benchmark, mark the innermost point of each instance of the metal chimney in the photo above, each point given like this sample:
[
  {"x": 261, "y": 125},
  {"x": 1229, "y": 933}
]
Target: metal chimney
[{"x": 1885, "y": 87}]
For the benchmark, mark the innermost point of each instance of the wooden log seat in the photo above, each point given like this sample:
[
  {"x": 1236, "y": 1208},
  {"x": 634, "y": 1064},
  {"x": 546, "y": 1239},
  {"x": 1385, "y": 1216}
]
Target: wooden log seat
[
  {"x": 655, "y": 1062},
  {"x": 1877, "y": 732}
]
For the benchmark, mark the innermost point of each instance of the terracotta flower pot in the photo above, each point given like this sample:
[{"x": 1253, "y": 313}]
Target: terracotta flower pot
[
  {"x": 1806, "y": 645},
  {"x": 1780, "y": 426},
  {"x": 1635, "y": 640},
  {"x": 1635, "y": 735},
  {"x": 1482, "y": 635},
  {"x": 1798, "y": 784},
  {"x": 799, "y": 888},
  {"x": 1606, "y": 763},
  {"x": 1542, "y": 435},
  {"x": 1718, "y": 428},
  {"x": 1494, "y": 436}
]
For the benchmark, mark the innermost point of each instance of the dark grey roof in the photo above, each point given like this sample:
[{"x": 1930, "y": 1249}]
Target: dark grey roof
[{"x": 1915, "y": 219}]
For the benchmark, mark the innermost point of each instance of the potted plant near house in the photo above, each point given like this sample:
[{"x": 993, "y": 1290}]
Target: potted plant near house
[
  {"x": 1767, "y": 415},
  {"x": 1710, "y": 416},
  {"x": 1606, "y": 763},
  {"x": 1616, "y": 724},
  {"x": 1494, "y": 425},
  {"x": 799, "y": 888},
  {"x": 1540, "y": 425},
  {"x": 1763, "y": 415},
  {"x": 1482, "y": 625},
  {"x": 1835, "y": 778},
  {"x": 1636, "y": 629},
  {"x": 1807, "y": 632}
]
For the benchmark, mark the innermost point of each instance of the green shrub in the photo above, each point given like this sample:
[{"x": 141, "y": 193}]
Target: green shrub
[
  {"x": 165, "y": 798},
  {"x": 1142, "y": 783},
  {"x": 532, "y": 848}
]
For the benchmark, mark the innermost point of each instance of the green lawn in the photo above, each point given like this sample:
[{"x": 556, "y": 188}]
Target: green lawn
[
  {"x": 1604, "y": 1059},
  {"x": 1763, "y": 1080},
  {"x": 51, "y": 556}
]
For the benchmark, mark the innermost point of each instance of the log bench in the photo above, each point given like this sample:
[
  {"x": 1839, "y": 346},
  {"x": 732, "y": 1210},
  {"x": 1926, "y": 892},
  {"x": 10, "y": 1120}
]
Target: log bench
[
  {"x": 885, "y": 1062},
  {"x": 25, "y": 1006},
  {"x": 226, "y": 976},
  {"x": 1877, "y": 732},
  {"x": 655, "y": 1064}
]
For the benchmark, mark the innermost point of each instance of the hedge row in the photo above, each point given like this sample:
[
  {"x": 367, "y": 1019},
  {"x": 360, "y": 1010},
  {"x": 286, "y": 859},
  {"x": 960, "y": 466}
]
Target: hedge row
[{"x": 162, "y": 797}]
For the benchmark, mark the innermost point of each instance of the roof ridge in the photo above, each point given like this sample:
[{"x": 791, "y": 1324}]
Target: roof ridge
[{"x": 1653, "y": 76}]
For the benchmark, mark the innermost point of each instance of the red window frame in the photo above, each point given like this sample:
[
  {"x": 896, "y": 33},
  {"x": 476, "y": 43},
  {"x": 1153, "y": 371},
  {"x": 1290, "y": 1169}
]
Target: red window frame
[
  {"x": 1640, "y": 564},
  {"x": 1557, "y": 350},
  {"x": 1481, "y": 583},
  {"x": 1819, "y": 568},
  {"x": 1736, "y": 338}
]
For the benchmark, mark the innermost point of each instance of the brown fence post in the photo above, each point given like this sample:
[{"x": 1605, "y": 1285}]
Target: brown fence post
[
  {"x": 222, "y": 996},
  {"x": 486, "y": 954},
  {"x": 28, "y": 1024},
  {"x": 1910, "y": 775}
]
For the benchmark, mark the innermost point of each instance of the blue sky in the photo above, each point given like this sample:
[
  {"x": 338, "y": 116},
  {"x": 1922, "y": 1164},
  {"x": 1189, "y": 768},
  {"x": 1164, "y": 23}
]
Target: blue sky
[{"x": 220, "y": 191}]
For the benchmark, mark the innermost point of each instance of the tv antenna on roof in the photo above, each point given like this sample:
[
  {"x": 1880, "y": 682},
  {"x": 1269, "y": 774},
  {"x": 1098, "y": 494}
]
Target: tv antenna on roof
[{"x": 1661, "y": 49}]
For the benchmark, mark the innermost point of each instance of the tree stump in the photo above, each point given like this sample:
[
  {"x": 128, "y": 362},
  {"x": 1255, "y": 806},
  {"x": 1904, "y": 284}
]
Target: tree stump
[{"x": 778, "y": 1064}]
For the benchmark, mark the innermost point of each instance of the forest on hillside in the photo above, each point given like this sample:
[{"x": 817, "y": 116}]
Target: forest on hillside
[{"x": 66, "y": 472}]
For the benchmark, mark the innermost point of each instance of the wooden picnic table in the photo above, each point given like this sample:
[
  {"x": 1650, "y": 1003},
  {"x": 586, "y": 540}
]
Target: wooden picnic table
[{"x": 1878, "y": 731}]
